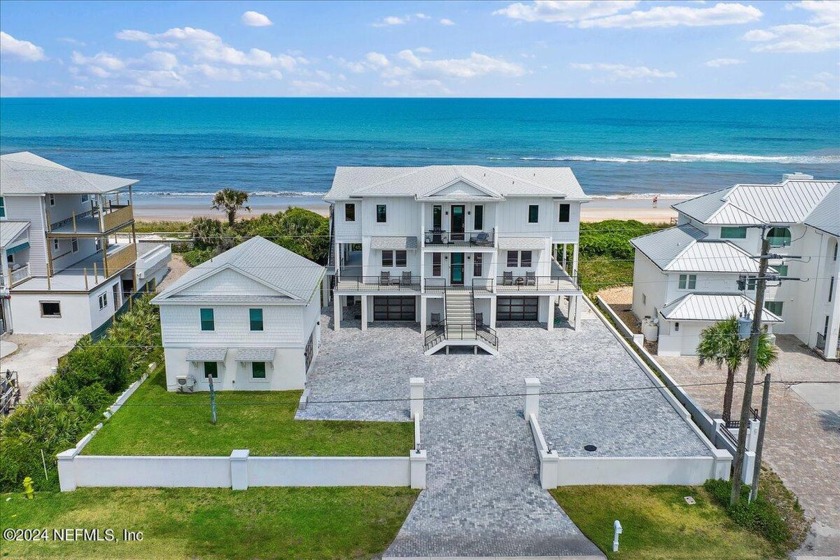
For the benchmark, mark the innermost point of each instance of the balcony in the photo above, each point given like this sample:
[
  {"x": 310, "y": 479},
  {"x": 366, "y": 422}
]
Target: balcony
[
  {"x": 559, "y": 281},
  {"x": 383, "y": 283},
  {"x": 440, "y": 284},
  {"x": 88, "y": 222},
  {"x": 120, "y": 258},
  {"x": 19, "y": 275},
  {"x": 86, "y": 274},
  {"x": 445, "y": 238}
]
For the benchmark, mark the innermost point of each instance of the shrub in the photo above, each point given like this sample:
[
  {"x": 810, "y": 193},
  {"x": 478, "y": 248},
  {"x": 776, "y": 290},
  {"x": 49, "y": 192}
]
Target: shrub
[
  {"x": 198, "y": 256},
  {"x": 759, "y": 516}
]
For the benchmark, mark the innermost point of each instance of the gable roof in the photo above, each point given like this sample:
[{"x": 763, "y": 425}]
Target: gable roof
[
  {"x": 712, "y": 307},
  {"x": 9, "y": 230},
  {"x": 789, "y": 202},
  {"x": 684, "y": 249},
  {"x": 292, "y": 276},
  {"x": 826, "y": 215},
  {"x": 25, "y": 173},
  {"x": 420, "y": 182}
]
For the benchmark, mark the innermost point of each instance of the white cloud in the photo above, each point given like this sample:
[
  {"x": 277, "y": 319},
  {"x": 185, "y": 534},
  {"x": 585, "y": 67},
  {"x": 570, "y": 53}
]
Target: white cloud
[
  {"x": 476, "y": 64},
  {"x": 446, "y": 21},
  {"x": 207, "y": 47},
  {"x": 24, "y": 50},
  {"x": 256, "y": 19},
  {"x": 314, "y": 87},
  {"x": 614, "y": 14},
  {"x": 824, "y": 83},
  {"x": 377, "y": 59},
  {"x": 421, "y": 16},
  {"x": 795, "y": 38},
  {"x": 390, "y": 21},
  {"x": 613, "y": 72},
  {"x": 822, "y": 11},
  {"x": 720, "y": 62}
]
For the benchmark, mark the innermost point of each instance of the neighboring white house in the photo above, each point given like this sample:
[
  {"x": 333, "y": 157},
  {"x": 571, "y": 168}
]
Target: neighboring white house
[
  {"x": 686, "y": 277},
  {"x": 458, "y": 249},
  {"x": 250, "y": 318},
  {"x": 69, "y": 258}
]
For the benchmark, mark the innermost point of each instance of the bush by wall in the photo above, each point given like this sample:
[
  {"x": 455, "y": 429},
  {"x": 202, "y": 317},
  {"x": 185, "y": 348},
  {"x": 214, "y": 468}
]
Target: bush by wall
[{"x": 759, "y": 516}]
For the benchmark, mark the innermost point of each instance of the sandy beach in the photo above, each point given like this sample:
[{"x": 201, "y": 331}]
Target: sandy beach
[{"x": 596, "y": 210}]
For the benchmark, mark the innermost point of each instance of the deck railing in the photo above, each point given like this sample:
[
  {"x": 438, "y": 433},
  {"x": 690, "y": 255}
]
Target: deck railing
[
  {"x": 516, "y": 283},
  {"x": 119, "y": 259},
  {"x": 442, "y": 237},
  {"x": 378, "y": 283},
  {"x": 20, "y": 274},
  {"x": 114, "y": 218}
]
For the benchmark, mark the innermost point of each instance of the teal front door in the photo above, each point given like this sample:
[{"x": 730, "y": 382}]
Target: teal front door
[{"x": 457, "y": 270}]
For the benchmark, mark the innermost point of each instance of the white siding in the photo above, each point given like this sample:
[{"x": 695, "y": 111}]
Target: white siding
[
  {"x": 30, "y": 208},
  {"x": 513, "y": 218},
  {"x": 565, "y": 232},
  {"x": 65, "y": 206},
  {"x": 226, "y": 283},
  {"x": 285, "y": 373},
  {"x": 348, "y": 232},
  {"x": 75, "y": 314},
  {"x": 282, "y": 324},
  {"x": 649, "y": 288},
  {"x": 403, "y": 215}
]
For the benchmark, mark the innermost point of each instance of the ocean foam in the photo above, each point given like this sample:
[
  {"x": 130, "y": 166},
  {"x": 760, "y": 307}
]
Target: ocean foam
[
  {"x": 281, "y": 194},
  {"x": 693, "y": 158}
]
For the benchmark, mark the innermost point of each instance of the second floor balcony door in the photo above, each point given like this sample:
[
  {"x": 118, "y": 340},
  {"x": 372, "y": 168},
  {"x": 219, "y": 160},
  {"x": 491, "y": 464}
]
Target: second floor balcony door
[
  {"x": 456, "y": 277},
  {"x": 458, "y": 222}
]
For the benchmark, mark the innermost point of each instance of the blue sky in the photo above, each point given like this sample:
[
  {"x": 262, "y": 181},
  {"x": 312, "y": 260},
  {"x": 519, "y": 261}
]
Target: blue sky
[{"x": 457, "y": 49}]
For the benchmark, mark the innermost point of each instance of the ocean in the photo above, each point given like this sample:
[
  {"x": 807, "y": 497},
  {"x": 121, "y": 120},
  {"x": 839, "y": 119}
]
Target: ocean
[{"x": 287, "y": 149}]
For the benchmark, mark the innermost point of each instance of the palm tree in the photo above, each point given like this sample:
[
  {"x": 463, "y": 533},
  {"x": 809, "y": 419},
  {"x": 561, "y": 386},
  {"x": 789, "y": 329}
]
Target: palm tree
[
  {"x": 721, "y": 344},
  {"x": 230, "y": 201}
]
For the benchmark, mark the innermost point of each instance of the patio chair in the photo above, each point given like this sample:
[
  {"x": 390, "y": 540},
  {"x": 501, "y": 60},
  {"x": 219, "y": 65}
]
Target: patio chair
[
  {"x": 530, "y": 278},
  {"x": 435, "y": 319},
  {"x": 406, "y": 279},
  {"x": 483, "y": 238},
  {"x": 507, "y": 279},
  {"x": 437, "y": 236},
  {"x": 384, "y": 278}
]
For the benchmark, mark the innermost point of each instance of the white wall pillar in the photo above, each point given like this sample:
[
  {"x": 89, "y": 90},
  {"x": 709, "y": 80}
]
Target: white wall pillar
[
  {"x": 575, "y": 260},
  {"x": 549, "y": 467},
  {"x": 493, "y": 313},
  {"x": 325, "y": 290},
  {"x": 417, "y": 460},
  {"x": 364, "y": 313},
  {"x": 550, "y": 324},
  {"x": 416, "y": 393},
  {"x": 532, "y": 397},
  {"x": 66, "y": 470},
  {"x": 564, "y": 256},
  {"x": 752, "y": 435},
  {"x": 749, "y": 466},
  {"x": 577, "y": 312},
  {"x": 723, "y": 465},
  {"x": 239, "y": 469},
  {"x": 423, "y": 314},
  {"x": 337, "y": 312}
]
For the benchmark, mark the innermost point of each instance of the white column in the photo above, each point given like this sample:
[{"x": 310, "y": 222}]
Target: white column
[
  {"x": 417, "y": 460},
  {"x": 549, "y": 465},
  {"x": 423, "y": 314},
  {"x": 564, "y": 256},
  {"x": 66, "y": 470},
  {"x": 550, "y": 325},
  {"x": 364, "y": 313},
  {"x": 337, "y": 313},
  {"x": 575, "y": 259},
  {"x": 577, "y": 312},
  {"x": 417, "y": 387},
  {"x": 325, "y": 290},
  {"x": 493, "y": 313},
  {"x": 532, "y": 397},
  {"x": 239, "y": 469}
]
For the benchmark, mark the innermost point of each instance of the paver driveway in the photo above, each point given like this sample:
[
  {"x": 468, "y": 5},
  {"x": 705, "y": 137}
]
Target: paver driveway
[{"x": 483, "y": 496}]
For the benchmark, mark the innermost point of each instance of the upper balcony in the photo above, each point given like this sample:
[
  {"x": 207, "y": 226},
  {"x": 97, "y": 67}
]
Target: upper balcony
[
  {"x": 86, "y": 274},
  {"x": 440, "y": 238},
  {"x": 94, "y": 221}
]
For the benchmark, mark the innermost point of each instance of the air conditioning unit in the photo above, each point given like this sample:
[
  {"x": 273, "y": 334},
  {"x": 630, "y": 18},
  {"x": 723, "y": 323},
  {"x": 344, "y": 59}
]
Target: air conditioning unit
[{"x": 186, "y": 383}]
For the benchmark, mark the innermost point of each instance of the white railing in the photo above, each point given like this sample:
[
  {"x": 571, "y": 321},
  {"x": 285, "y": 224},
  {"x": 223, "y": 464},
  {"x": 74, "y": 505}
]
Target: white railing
[{"x": 20, "y": 274}]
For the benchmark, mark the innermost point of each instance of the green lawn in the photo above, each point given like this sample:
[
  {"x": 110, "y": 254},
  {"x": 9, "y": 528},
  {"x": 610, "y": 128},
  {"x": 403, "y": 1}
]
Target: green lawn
[
  {"x": 658, "y": 524},
  {"x": 213, "y": 523},
  {"x": 601, "y": 272},
  {"x": 156, "y": 422}
]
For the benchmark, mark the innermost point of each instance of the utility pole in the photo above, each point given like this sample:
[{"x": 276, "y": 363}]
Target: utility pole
[
  {"x": 748, "y": 385},
  {"x": 212, "y": 400},
  {"x": 765, "y": 404}
]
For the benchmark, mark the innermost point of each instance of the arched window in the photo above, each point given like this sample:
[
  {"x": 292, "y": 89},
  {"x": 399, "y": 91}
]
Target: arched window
[{"x": 779, "y": 237}]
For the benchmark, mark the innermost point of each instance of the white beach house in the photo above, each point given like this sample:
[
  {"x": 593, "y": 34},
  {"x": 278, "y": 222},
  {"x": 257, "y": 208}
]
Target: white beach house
[
  {"x": 686, "y": 277},
  {"x": 249, "y": 318},
  {"x": 457, "y": 249},
  {"x": 68, "y": 251}
]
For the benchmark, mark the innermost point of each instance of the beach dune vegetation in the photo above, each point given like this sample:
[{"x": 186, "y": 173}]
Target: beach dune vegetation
[{"x": 231, "y": 201}]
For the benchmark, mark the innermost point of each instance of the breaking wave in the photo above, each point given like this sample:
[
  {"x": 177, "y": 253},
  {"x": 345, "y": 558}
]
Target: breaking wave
[
  {"x": 692, "y": 158},
  {"x": 281, "y": 194}
]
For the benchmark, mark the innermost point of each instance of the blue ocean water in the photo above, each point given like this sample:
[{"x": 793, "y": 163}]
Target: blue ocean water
[{"x": 289, "y": 148}]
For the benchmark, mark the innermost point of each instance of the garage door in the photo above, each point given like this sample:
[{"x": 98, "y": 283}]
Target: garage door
[
  {"x": 517, "y": 308},
  {"x": 390, "y": 308}
]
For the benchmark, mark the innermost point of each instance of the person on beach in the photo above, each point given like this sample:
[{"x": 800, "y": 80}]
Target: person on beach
[{"x": 655, "y": 200}]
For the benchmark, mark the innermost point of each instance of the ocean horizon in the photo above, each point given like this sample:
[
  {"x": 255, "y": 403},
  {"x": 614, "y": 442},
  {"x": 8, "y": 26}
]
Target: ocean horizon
[{"x": 287, "y": 148}]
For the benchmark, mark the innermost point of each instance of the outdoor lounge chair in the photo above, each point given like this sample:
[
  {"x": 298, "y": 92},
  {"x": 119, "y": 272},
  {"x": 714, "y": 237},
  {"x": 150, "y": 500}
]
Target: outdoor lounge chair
[
  {"x": 483, "y": 238},
  {"x": 384, "y": 278},
  {"x": 507, "y": 279},
  {"x": 406, "y": 279},
  {"x": 530, "y": 278}
]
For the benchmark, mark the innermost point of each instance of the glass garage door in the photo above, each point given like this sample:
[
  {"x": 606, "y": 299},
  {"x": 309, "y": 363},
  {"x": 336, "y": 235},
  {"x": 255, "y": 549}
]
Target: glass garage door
[
  {"x": 394, "y": 308},
  {"x": 517, "y": 308}
]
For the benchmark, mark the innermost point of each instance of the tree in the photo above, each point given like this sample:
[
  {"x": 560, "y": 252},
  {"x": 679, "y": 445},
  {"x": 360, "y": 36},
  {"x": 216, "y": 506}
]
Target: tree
[
  {"x": 230, "y": 201},
  {"x": 721, "y": 344},
  {"x": 206, "y": 232}
]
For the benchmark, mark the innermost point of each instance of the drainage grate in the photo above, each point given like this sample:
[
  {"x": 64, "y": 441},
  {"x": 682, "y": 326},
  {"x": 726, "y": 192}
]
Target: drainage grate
[{"x": 590, "y": 447}]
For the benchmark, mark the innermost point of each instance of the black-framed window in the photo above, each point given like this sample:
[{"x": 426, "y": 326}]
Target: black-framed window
[
  {"x": 50, "y": 309},
  {"x": 211, "y": 369},
  {"x": 349, "y": 212},
  {"x": 2, "y": 207},
  {"x": 565, "y": 212},
  {"x": 435, "y": 264},
  {"x": 258, "y": 370},
  {"x": 478, "y": 213},
  {"x": 525, "y": 258},
  {"x": 775, "y": 307},
  {"x": 437, "y": 217},
  {"x": 381, "y": 214},
  {"x": 74, "y": 244},
  {"x": 513, "y": 258},
  {"x": 387, "y": 258},
  {"x": 477, "y": 262},
  {"x": 208, "y": 322},
  {"x": 400, "y": 258},
  {"x": 533, "y": 213},
  {"x": 255, "y": 317}
]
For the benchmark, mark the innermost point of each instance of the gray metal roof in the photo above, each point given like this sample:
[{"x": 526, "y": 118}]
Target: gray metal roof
[
  {"x": 712, "y": 308},
  {"x": 713, "y": 256},
  {"x": 393, "y": 242},
  {"x": 206, "y": 354},
  {"x": 662, "y": 247},
  {"x": 491, "y": 182},
  {"x": 826, "y": 216},
  {"x": 522, "y": 243},
  {"x": 290, "y": 274},
  {"x": 789, "y": 202},
  {"x": 24, "y": 173},
  {"x": 9, "y": 230},
  {"x": 255, "y": 354}
]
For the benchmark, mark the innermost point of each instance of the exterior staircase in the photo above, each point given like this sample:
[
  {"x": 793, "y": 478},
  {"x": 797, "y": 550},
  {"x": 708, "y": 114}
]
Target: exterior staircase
[{"x": 459, "y": 328}]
